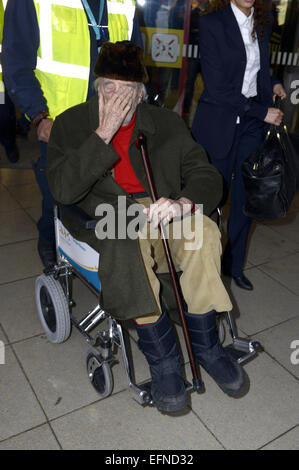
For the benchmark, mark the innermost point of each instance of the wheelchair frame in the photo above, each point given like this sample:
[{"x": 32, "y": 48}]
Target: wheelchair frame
[{"x": 100, "y": 356}]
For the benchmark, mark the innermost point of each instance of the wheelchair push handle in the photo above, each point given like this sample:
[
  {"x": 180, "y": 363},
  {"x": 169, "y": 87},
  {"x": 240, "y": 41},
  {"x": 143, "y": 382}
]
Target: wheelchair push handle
[{"x": 141, "y": 145}]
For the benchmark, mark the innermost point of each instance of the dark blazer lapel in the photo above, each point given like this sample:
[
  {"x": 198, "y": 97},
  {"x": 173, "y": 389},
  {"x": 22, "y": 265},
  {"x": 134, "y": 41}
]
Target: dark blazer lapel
[
  {"x": 263, "y": 45},
  {"x": 233, "y": 32}
]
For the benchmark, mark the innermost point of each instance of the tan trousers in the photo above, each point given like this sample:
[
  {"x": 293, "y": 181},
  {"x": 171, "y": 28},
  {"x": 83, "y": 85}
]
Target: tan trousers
[{"x": 200, "y": 281}]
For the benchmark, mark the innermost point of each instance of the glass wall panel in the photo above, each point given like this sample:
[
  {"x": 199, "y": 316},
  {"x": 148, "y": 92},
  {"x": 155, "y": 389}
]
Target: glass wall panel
[
  {"x": 285, "y": 56},
  {"x": 170, "y": 34}
]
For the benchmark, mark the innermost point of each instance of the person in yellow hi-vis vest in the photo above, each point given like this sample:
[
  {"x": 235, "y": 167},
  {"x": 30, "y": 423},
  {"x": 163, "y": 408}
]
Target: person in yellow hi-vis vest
[
  {"x": 50, "y": 48},
  {"x": 7, "y": 109}
]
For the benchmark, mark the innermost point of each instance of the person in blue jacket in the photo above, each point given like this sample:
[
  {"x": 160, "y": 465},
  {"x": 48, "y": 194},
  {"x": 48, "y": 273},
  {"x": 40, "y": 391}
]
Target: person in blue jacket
[
  {"x": 21, "y": 43},
  {"x": 235, "y": 106}
]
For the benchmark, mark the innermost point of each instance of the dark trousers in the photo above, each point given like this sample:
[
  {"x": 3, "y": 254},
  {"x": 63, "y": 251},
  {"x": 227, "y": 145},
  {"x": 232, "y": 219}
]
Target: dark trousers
[
  {"x": 7, "y": 123},
  {"x": 45, "y": 224},
  {"x": 248, "y": 136}
]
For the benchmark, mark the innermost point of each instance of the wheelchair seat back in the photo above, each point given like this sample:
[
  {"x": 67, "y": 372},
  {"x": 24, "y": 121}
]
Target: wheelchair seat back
[{"x": 79, "y": 254}]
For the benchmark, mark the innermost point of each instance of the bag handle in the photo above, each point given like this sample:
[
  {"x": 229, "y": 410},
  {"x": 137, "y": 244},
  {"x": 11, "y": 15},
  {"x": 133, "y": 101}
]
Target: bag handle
[
  {"x": 277, "y": 102},
  {"x": 282, "y": 127}
]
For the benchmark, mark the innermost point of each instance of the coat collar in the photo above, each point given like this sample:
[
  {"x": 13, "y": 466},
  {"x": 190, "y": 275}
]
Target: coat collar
[
  {"x": 233, "y": 31},
  {"x": 144, "y": 121},
  {"x": 241, "y": 18}
]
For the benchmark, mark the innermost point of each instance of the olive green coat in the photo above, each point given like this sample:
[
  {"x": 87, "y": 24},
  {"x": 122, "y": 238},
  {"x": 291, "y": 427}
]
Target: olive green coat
[{"x": 79, "y": 171}]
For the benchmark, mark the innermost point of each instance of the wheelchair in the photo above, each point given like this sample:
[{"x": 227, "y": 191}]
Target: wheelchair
[{"x": 54, "y": 301}]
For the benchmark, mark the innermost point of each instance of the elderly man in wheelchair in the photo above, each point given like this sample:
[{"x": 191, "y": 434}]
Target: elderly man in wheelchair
[{"x": 93, "y": 161}]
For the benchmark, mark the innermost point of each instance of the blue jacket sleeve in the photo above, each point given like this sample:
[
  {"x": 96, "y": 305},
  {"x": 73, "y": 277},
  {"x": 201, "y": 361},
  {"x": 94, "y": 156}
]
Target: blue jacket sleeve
[
  {"x": 136, "y": 33},
  {"x": 19, "y": 55}
]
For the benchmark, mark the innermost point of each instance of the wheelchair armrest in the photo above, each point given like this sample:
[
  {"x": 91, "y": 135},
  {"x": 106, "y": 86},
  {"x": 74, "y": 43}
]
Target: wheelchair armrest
[{"x": 78, "y": 215}]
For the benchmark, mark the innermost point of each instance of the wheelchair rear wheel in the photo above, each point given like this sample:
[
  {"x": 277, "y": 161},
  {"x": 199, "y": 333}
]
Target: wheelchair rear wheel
[
  {"x": 100, "y": 375},
  {"x": 53, "y": 309}
]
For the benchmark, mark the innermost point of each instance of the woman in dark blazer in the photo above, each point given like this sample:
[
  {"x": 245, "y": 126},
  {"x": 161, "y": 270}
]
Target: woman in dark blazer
[{"x": 235, "y": 105}]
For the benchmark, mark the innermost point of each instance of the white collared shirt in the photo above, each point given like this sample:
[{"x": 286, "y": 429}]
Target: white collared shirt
[{"x": 245, "y": 23}]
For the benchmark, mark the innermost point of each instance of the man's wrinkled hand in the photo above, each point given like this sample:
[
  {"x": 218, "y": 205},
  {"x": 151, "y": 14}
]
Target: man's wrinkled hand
[
  {"x": 44, "y": 130},
  {"x": 164, "y": 210},
  {"x": 112, "y": 113}
]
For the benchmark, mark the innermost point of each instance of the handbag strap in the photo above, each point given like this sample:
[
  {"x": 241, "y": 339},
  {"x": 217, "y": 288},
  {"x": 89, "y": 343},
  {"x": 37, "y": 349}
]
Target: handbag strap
[{"x": 282, "y": 127}]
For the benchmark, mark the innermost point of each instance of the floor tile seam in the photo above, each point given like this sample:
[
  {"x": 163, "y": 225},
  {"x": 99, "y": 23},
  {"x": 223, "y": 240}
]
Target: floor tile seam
[
  {"x": 5, "y": 334},
  {"x": 27, "y": 379},
  {"x": 30, "y": 385},
  {"x": 16, "y": 200},
  {"x": 281, "y": 365},
  {"x": 18, "y": 241},
  {"x": 277, "y": 231},
  {"x": 28, "y": 213},
  {"x": 33, "y": 183},
  {"x": 14, "y": 185},
  {"x": 50, "y": 420},
  {"x": 5, "y": 187},
  {"x": 207, "y": 428},
  {"x": 18, "y": 280},
  {"x": 87, "y": 405},
  {"x": 23, "y": 340},
  {"x": 12, "y": 196},
  {"x": 279, "y": 436},
  {"x": 23, "y": 432},
  {"x": 293, "y": 427},
  {"x": 33, "y": 429},
  {"x": 278, "y": 282},
  {"x": 19, "y": 209},
  {"x": 286, "y": 255},
  {"x": 268, "y": 328}
]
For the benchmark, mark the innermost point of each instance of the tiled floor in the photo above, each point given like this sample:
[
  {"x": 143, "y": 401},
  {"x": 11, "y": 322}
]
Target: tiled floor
[{"x": 46, "y": 399}]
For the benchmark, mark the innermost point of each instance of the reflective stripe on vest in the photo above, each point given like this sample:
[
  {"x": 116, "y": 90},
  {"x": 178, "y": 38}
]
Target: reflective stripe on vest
[{"x": 63, "y": 62}]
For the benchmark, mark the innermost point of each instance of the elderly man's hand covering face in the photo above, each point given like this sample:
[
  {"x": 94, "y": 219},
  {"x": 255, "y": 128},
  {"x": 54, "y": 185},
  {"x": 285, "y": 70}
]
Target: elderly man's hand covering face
[{"x": 118, "y": 101}]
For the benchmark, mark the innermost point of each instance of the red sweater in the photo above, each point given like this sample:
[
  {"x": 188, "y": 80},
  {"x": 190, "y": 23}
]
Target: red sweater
[{"x": 123, "y": 171}]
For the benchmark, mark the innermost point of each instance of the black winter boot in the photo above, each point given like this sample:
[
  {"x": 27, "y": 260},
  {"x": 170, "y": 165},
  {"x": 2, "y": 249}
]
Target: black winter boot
[
  {"x": 217, "y": 362},
  {"x": 158, "y": 344}
]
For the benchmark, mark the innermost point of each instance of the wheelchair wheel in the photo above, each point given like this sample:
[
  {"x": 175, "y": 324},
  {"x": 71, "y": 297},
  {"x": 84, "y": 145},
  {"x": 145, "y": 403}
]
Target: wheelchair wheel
[
  {"x": 220, "y": 329},
  {"x": 100, "y": 375},
  {"x": 53, "y": 309}
]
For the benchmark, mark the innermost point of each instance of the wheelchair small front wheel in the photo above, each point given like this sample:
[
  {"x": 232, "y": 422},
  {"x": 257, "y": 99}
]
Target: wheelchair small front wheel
[
  {"x": 100, "y": 375},
  {"x": 52, "y": 308}
]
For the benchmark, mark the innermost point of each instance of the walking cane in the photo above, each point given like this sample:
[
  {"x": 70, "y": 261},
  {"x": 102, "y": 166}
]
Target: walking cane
[{"x": 141, "y": 145}]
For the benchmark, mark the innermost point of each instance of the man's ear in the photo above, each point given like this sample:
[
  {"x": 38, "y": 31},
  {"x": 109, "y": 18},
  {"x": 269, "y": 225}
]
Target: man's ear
[{"x": 140, "y": 94}]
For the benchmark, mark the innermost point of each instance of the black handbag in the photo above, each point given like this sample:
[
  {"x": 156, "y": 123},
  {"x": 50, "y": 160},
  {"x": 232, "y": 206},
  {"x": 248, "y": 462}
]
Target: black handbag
[{"x": 271, "y": 176}]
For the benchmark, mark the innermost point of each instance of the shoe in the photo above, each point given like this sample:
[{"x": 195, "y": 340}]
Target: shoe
[
  {"x": 12, "y": 153},
  {"x": 217, "y": 361},
  {"x": 47, "y": 254},
  {"x": 243, "y": 282},
  {"x": 158, "y": 344}
]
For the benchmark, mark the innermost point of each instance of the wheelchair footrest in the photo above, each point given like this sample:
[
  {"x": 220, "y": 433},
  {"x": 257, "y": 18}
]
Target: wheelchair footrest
[
  {"x": 144, "y": 392},
  {"x": 243, "y": 349}
]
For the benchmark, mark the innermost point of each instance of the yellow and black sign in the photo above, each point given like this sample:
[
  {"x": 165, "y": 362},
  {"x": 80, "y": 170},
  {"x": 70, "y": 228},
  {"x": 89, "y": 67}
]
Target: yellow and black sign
[{"x": 163, "y": 47}]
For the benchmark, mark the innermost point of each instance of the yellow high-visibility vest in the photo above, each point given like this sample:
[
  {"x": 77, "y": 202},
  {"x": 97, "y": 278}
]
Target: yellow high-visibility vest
[{"x": 63, "y": 62}]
